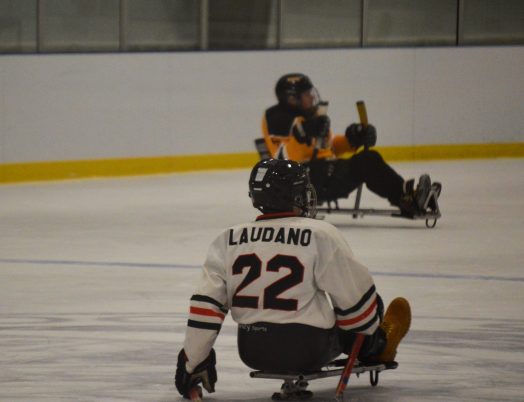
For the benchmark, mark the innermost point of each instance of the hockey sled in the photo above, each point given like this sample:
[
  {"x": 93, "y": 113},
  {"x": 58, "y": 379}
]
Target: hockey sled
[
  {"x": 294, "y": 386},
  {"x": 431, "y": 208}
]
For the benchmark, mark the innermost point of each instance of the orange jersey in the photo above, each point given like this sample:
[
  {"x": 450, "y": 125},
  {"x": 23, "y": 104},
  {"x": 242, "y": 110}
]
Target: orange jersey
[
  {"x": 278, "y": 123},
  {"x": 287, "y": 146}
]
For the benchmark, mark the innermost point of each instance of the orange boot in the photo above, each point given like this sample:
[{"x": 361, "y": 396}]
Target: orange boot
[{"x": 396, "y": 325}]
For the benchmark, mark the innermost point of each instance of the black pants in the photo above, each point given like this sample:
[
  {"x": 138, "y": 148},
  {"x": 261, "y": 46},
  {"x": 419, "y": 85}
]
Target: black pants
[
  {"x": 299, "y": 348},
  {"x": 338, "y": 178}
]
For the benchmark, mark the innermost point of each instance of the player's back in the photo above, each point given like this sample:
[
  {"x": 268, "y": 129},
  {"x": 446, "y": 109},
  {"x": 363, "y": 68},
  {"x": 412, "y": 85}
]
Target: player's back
[{"x": 271, "y": 267}]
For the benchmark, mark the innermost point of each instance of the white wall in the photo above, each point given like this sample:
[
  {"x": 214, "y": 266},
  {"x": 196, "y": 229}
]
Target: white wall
[{"x": 69, "y": 107}]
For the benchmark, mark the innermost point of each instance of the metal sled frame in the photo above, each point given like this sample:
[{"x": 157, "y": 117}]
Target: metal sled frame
[
  {"x": 431, "y": 216},
  {"x": 300, "y": 381},
  {"x": 373, "y": 370}
]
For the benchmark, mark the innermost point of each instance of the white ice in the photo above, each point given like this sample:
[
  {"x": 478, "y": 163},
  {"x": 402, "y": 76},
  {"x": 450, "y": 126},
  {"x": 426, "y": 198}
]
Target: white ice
[{"x": 95, "y": 278}]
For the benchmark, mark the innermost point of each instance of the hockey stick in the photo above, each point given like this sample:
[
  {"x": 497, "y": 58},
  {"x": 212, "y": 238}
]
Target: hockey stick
[
  {"x": 344, "y": 378},
  {"x": 195, "y": 394},
  {"x": 363, "y": 115}
]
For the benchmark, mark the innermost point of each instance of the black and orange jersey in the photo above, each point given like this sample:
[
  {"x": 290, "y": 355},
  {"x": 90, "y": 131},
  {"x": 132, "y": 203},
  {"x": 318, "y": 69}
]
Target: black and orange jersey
[{"x": 278, "y": 124}]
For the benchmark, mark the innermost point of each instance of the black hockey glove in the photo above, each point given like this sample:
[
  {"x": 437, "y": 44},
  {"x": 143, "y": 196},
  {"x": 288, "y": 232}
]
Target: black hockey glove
[
  {"x": 323, "y": 124},
  {"x": 359, "y": 135},
  {"x": 204, "y": 373},
  {"x": 314, "y": 127}
]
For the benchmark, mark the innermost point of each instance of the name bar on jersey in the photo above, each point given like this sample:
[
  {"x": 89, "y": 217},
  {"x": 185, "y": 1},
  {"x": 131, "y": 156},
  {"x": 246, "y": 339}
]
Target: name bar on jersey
[{"x": 295, "y": 236}]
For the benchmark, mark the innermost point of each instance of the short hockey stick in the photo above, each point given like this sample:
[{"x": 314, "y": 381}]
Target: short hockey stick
[
  {"x": 344, "y": 378},
  {"x": 195, "y": 394},
  {"x": 363, "y": 115}
]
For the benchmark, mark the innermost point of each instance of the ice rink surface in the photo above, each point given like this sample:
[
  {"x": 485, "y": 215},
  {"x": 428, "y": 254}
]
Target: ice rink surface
[{"x": 95, "y": 278}]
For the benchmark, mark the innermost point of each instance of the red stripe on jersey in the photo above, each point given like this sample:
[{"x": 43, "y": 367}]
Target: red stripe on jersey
[
  {"x": 359, "y": 317},
  {"x": 206, "y": 312}
]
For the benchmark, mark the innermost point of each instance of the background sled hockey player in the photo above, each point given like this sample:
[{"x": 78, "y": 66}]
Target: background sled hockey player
[
  {"x": 274, "y": 275},
  {"x": 298, "y": 128}
]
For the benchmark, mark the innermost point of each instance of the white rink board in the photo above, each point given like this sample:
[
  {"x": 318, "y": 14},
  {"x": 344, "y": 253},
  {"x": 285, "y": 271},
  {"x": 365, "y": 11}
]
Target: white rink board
[{"x": 92, "y": 106}]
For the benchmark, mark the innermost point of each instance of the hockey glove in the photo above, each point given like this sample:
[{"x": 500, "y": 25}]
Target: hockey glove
[
  {"x": 359, "y": 135},
  {"x": 204, "y": 373},
  {"x": 323, "y": 124},
  {"x": 314, "y": 127}
]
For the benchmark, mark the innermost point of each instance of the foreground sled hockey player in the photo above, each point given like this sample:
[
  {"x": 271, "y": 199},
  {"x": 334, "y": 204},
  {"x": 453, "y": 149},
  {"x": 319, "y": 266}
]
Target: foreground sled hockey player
[{"x": 274, "y": 274}]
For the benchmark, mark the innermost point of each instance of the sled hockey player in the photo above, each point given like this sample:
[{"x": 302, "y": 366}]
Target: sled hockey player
[
  {"x": 292, "y": 285},
  {"x": 298, "y": 128}
]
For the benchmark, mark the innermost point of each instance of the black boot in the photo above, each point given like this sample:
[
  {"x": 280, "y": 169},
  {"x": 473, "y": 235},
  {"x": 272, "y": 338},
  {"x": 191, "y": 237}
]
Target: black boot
[{"x": 412, "y": 202}]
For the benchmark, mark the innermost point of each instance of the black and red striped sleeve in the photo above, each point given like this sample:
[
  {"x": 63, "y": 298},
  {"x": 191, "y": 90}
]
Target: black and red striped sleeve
[
  {"x": 362, "y": 317},
  {"x": 206, "y": 313}
]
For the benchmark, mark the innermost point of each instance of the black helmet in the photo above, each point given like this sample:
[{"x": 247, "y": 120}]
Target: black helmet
[
  {"x": 277, "y": 185},
  {"x": 292, "y": 85}
]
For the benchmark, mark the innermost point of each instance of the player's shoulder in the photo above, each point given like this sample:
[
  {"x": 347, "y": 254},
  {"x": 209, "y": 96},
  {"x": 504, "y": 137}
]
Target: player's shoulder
[
  {"x": 317, "y": 226},
  {"x": 276, "y": 108},
  {"x": 279, "y": 118}
]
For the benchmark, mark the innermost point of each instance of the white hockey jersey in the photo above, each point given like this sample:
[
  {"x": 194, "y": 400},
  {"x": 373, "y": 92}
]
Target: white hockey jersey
[{"x": 280, "y": 269}]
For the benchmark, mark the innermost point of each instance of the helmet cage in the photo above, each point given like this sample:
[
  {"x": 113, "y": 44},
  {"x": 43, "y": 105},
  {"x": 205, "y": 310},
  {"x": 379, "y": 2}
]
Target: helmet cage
[
  {"x": 315, "y": 99},
  {"x": 309, "y": 204}
]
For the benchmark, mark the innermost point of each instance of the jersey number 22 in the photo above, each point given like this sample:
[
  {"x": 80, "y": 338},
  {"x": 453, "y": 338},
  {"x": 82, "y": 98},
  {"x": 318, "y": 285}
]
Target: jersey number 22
[{"x": 270, "y": 300}]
